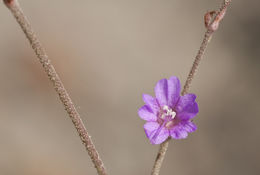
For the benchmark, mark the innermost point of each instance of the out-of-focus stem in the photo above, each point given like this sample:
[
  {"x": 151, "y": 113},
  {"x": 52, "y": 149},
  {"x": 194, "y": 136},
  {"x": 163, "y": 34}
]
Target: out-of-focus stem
[
  {"x": 57, "y": 84},
  {"x": 211, "y": 26}
]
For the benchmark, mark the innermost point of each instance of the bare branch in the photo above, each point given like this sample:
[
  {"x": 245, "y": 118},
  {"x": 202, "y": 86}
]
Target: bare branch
[{"x": 57, "y": 84}]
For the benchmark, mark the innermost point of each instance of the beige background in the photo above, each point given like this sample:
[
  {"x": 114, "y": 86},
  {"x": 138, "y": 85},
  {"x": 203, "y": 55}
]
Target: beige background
[{"x": 109, "y": 52}]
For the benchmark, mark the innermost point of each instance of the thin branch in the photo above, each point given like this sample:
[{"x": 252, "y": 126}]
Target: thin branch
[
  {"x": 212, "y": 26},
  {"x": 160, "y": 157},
  {"x": 57, "y": 83}
]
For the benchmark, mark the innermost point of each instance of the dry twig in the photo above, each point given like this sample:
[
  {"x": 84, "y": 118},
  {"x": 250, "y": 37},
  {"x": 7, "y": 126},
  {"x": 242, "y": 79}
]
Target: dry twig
[{"x": 57, "y": 84}]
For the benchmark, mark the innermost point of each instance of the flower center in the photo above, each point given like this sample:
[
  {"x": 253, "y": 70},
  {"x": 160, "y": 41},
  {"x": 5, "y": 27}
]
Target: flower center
[{"x": 168, "y": 112}]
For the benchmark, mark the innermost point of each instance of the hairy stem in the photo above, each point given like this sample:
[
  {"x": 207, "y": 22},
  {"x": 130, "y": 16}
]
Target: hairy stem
[
  {"x": 211, "y": 26},
  {"x": 57, "y": 84}
]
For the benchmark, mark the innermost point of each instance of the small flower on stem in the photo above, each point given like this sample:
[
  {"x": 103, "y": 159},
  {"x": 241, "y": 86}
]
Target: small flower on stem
[{"x": 168, "y": 114}]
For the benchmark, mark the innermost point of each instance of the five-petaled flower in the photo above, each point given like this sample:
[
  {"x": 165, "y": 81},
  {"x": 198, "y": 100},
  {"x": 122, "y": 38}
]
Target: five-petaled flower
[{"x": 168, "y": 114}]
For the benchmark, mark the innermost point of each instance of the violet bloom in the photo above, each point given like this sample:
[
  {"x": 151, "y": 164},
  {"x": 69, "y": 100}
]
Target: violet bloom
[{"x": 168, "y": 114}]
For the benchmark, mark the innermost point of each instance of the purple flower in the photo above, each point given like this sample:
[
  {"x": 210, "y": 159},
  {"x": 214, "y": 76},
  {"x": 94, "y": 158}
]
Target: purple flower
[{"x": 168, "y": 114}]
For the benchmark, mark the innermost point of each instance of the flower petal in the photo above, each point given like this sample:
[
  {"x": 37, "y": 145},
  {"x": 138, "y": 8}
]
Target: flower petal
[
  {"x": 178, "y": 134},
  {"x": 152, "y": 103},
  {"x": 159, "y": 138},
  {"x": 161, "y": 92},
  {"x": 155, "y": 133},
  {"x": 150, "y": 128},
  {"x": 174, "y": 88},
  {"x": 146, "y": 113},
  {"x": 189, "y": 126},
  {"x": 181, "y": 130},
  {"x": 187, "y": 108}
]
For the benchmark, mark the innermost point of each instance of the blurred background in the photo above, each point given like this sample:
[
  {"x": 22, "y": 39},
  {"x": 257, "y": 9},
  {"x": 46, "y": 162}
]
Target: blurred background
[{"x": 108, "y": 53}]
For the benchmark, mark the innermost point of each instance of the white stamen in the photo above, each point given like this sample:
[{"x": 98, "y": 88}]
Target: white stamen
[{"x": 168, "y": 112}]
